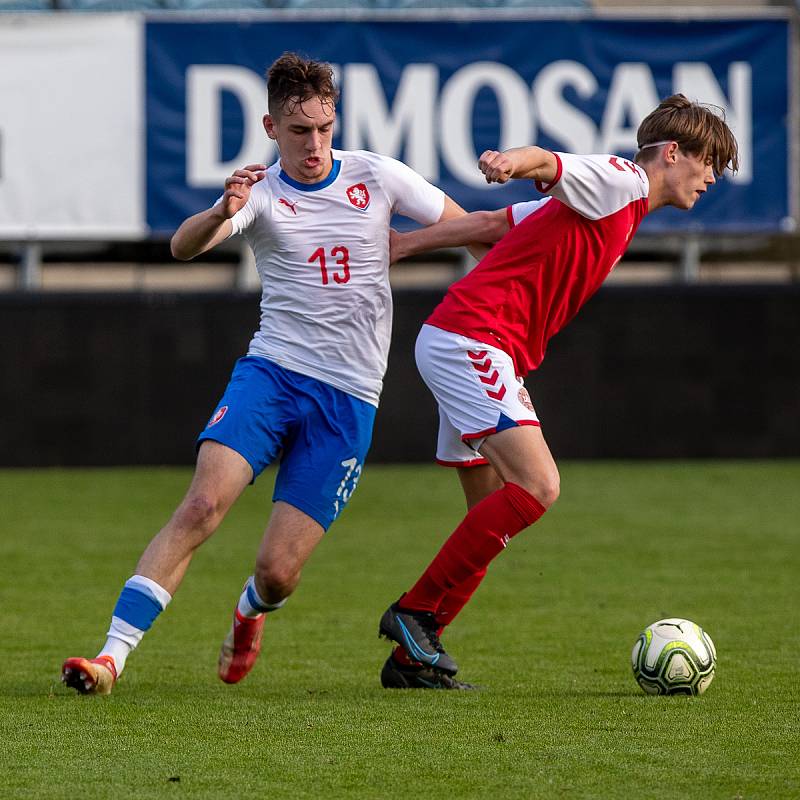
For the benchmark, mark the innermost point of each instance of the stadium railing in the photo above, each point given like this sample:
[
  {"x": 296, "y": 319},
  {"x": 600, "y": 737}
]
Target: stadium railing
[
  {"x": 25, "y": 5},
  {"x": 291, "y": 5},
  {"x": 143, "y": 266},
  {"x": 109, "y": 5}
]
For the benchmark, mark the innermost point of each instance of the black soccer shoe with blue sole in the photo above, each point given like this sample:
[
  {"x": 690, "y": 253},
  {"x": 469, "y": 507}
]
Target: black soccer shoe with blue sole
[
  {"x": 416, "y": 633},
  {"x": 410, "y": 676}
]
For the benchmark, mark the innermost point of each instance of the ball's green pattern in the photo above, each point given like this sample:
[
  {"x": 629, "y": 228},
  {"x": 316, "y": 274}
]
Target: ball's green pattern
[{"x": 685, "y": 658}]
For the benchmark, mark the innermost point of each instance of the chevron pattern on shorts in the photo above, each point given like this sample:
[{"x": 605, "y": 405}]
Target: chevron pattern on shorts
[{"x": 482, "y": 364}]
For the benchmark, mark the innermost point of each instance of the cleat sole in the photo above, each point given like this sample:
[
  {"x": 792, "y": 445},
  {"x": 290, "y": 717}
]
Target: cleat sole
[{"x": 95, "y": 676}]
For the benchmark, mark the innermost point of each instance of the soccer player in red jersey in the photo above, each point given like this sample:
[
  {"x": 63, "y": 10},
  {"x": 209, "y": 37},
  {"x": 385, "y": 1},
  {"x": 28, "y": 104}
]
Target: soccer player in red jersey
[{"x": 494, "y": 325}]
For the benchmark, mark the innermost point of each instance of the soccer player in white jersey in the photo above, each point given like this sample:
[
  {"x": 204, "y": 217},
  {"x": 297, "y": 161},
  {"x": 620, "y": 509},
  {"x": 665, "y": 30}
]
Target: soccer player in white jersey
[
  {"x": 307, "y": 390},
  {"x": 494, "y": 324}
]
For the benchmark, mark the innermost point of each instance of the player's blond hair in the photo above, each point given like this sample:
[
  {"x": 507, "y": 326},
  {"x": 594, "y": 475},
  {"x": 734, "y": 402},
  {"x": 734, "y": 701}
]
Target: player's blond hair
[
  {"x": 292, "y": 79},
  {"x": 699, "y": 130}
]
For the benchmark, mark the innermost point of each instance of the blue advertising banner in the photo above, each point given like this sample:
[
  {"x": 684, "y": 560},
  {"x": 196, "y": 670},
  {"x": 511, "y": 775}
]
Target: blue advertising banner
[{"x": 436, "y": 94}]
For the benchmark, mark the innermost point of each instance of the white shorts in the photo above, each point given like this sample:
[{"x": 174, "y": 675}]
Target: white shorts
[{"x": 477, "y": 390}]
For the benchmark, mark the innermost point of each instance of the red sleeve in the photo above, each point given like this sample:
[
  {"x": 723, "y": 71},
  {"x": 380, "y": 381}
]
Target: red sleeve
[{"x": 544, "y": 188}]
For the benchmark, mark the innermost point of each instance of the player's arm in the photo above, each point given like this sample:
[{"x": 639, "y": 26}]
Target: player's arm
[
  {"x": 201, "y": 232},
  {"x": 417, "y": 199},
  {"x": 531, "y": 163},
  {"x": 477, "y": 248},
  {"x": 480, "y": 229}
]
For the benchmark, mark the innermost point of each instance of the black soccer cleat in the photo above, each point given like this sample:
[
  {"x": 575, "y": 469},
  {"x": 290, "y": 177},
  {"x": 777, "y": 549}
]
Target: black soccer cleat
[
  {"x": 402, "y": 676},
  {"x": 416, "y": 633}
]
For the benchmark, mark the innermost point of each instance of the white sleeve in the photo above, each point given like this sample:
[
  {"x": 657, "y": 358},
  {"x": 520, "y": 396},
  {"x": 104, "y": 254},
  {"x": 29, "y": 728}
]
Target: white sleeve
[
  {"x": 598, "y": 185},
  {"x": 409, "y": 193},
  {"x": 246, "y": 215},
  {"x": 519, "y": 211}
]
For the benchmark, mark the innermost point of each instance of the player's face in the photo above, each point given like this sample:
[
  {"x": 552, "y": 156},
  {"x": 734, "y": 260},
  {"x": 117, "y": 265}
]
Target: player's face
[
  {"x": 304, "y": 132},
  {"x": 690, "y": 178}
]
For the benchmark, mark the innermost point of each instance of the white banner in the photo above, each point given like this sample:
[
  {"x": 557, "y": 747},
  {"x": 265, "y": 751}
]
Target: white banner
[{"x": 71, "y": 127}]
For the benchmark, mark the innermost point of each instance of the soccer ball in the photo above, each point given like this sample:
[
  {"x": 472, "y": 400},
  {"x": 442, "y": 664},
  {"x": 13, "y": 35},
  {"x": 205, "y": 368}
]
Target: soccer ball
[{"x": 674, "y": 656}]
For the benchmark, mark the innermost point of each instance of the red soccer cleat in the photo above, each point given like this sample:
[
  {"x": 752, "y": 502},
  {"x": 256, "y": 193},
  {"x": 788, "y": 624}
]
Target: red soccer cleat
[
  {"x": 90, "y": 676},
  {"x": 241, "y": 647}
]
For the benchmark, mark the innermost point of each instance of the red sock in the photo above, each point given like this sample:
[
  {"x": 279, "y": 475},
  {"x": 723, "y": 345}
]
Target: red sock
[
  {"x": 402, "y": 657},
  {"x": 482, "y": 534},
  {"x": 448, "y": 610},
  {"x": 457, "y": 598}
]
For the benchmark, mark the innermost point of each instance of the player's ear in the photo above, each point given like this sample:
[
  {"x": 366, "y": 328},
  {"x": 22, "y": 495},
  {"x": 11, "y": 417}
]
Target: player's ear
[
  {"x": 671, "y": 152},
  {"x": 269, "y": 125}
]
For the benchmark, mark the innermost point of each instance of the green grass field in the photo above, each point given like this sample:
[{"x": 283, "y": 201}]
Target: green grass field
[{"x": 548, "y": 636}]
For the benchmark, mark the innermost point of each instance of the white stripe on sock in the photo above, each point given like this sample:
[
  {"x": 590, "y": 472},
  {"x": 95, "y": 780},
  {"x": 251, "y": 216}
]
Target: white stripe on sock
[
  {"x": 151, "y": 587},
  {"x": 247, "y": 609}
]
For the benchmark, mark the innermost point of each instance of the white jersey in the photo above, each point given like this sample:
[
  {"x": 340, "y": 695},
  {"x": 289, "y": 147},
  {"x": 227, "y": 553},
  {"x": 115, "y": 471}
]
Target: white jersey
[{"x": 322, "y": 253}]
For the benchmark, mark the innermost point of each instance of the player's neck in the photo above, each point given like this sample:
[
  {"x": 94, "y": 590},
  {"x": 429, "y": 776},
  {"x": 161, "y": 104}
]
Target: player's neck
[{"x": 657, "y": 195}]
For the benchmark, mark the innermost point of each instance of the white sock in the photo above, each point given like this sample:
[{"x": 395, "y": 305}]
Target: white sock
[
  {"x": 118, "y": 650},
  {"x": 251, "y": 604},
  {"x": 140, "y": 602}
]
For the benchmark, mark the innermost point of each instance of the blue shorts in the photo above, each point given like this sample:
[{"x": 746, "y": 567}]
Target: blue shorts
[{"x": 321, "y": 433}]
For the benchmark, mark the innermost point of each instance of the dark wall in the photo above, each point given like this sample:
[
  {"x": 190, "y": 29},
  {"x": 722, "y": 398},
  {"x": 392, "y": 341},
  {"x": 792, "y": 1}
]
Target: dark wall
[{"x": 642, "y": 372}]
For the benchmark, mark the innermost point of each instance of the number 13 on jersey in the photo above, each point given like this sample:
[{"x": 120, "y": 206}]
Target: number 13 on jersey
[{"x": 338, "y": 269}]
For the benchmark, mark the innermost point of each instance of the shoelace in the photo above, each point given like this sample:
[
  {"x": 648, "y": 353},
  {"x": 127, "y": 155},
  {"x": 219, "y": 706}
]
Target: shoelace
[{"x": 427, "y": 621}]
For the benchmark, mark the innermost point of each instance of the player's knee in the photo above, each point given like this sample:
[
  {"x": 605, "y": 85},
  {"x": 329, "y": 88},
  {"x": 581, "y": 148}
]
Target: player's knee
[
  {"x": 549, "y": 490},
  {"x": 545, "y": 488},
  {"x": 200, "y": 512},
  {"x": 276, "y": 581}
]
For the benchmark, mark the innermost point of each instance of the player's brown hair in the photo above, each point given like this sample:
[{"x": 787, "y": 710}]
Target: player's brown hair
[
  {"x": 293, "y": 79},
  {"x": 699, "y": 130}
]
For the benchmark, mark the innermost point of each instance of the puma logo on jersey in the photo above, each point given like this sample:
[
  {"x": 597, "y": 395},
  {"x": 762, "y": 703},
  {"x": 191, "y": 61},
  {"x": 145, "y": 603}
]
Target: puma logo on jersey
[
  {"x": 291, "y": 206},
  {"x": 358, "y": 195}
]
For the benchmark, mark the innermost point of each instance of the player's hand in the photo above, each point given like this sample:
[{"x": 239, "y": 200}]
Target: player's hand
[
  {"x": 396, "y": 246},
  {"x": 238, "y": 186},
  {"x": 496, "y": 167}
]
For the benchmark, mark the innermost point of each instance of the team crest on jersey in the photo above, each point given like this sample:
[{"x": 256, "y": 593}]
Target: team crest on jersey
[
  {"x": 358, "y": 195},
  {"x": 218, "y": 415},
  {"x": 525, "y": 398}
]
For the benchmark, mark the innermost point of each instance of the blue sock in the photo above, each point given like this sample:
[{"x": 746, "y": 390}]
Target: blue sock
[
  {"x": 140, "y": 602},
  {"x": 251, "y": 603}
]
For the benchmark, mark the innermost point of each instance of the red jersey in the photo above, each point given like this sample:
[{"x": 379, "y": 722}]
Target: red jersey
[{"x": 556, "y": 255}]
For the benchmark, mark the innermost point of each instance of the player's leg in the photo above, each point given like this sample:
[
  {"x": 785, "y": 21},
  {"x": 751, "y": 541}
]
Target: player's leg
[
  {"x": 483, "y": 533},
  {"x": 477, "y": 481},
  {"x": 478, "y": 392},
  {"x": 233, "y": 449},
  {"x": 288, "y": 541},
  {"x": 290, "y": 538},
  {"x": 522, "y": 458},
  {"x": 320, "y": 468},
  {"x": 220, "y": 476}
]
